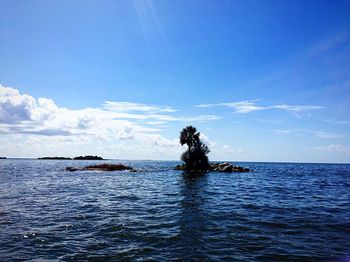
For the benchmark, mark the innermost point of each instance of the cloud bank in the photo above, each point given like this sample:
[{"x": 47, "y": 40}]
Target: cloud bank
[
  {"x": 31, "y": 127},
  {"x": 114, "y": 124}
]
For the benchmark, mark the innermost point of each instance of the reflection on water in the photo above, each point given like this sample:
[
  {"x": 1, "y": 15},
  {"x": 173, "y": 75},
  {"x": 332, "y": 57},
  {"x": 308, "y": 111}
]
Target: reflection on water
[{"x": 194, "y": 217}]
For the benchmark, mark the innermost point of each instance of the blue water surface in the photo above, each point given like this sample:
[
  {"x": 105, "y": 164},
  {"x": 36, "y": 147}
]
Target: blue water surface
[{"x": 277, "y": 212}]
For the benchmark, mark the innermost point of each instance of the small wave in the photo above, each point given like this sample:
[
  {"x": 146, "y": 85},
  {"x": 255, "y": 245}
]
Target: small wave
[{"x": 276, "y": 213}]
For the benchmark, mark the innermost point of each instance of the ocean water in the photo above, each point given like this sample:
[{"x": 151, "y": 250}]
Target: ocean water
[{"x": 277, "y": 212}]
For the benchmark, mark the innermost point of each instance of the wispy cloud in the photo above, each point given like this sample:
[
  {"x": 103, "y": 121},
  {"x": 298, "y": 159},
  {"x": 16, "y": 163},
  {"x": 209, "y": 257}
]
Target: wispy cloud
[
  {"x": 151, "y": 26},
  {"x": 294, "y": 109},
  {"x": 337, "y": 122},
  {"x": 333, "y": 148},
  {"x": 136, "y": 107},
  {"x": 301, "y": 132},
  {"x": 328, "y": 44},
  {"x": 327, "y": 135},
  {"x": 218, "y": 150},
  {"x": 272, "y": 121},
  {"x": 284, "y": 131},
  {"x": 243, "y": 107},
  {"x": 248, "y": 106}
]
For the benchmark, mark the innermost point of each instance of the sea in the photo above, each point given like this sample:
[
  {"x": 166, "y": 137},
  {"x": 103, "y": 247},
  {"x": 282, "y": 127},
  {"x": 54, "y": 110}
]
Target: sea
[{"x": 276, "y": 212}]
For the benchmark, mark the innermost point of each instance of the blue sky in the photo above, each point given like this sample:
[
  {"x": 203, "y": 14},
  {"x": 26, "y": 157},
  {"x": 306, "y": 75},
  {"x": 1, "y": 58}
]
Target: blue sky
[{"x": 262, "y": 80}]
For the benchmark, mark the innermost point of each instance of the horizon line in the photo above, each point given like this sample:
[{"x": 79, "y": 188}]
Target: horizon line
[{"x": 159, "y": 160}]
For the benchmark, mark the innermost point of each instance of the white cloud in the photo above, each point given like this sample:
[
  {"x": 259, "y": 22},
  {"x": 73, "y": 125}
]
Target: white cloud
[
  {"x": 205, "y": 105},
  {"x": 15, "y": 107},
  {"x": 121, "y": 125},
  {"x": 206, "y": 140},
  {"x": 24, "y": 114},
  {"x": 158, "y": 140},
  {"x": 219, "y": 152},
  {"x": 247, "y": 106},
  {"x": 239, "y": 107},
  {"x": 243, "y": 107}
]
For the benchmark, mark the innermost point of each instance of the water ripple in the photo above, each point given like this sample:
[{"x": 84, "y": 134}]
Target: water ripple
[{"x": 293, "y": 212}]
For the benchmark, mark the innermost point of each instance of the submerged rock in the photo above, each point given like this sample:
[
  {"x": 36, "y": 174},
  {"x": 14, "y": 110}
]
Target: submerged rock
[
  {"x": 218, "y": 167},
  {"x": 102, "y": 167}
]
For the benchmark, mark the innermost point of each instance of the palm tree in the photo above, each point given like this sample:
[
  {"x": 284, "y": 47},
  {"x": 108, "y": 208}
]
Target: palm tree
[
  {"x": 195, "y": 157},
  {"x": 189, "y": 136}
]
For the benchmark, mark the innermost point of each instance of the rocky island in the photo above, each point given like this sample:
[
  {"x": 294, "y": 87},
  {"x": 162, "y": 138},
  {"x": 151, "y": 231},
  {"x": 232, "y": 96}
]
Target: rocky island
[
  {"x": 195, "y": 157},
  {"x": 103, "y": 167}
]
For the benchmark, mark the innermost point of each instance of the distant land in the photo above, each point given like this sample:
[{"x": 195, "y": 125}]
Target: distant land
[
  {"x": 88, "y": 158},
  {"x": 2, "y": 157},
  {"x": 75, "y": 158},
  {"x": 55, "y": 158}
]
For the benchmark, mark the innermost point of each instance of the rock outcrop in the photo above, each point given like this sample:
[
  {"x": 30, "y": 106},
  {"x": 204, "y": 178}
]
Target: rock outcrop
[
  {"x": 227, "y": 168},
  {"x": 103, "y": 167},
  {"x": 219, "y": 167}
]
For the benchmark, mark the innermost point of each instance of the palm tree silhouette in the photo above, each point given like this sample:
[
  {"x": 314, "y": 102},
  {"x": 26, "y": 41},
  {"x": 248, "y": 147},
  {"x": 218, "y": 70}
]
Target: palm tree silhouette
[{"x": 195, "y": 157}]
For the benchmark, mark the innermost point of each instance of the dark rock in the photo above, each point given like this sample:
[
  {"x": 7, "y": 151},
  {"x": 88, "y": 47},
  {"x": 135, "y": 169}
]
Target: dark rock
[
  {"x": 226, "y": 169},
  {"x": 180, "y": 167},
  {"x": 108, "y": 167},
  {"x": 218, "y": 167},
  {"x": 71, "y": 169},
  {"x": 103, "y": 167}
]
